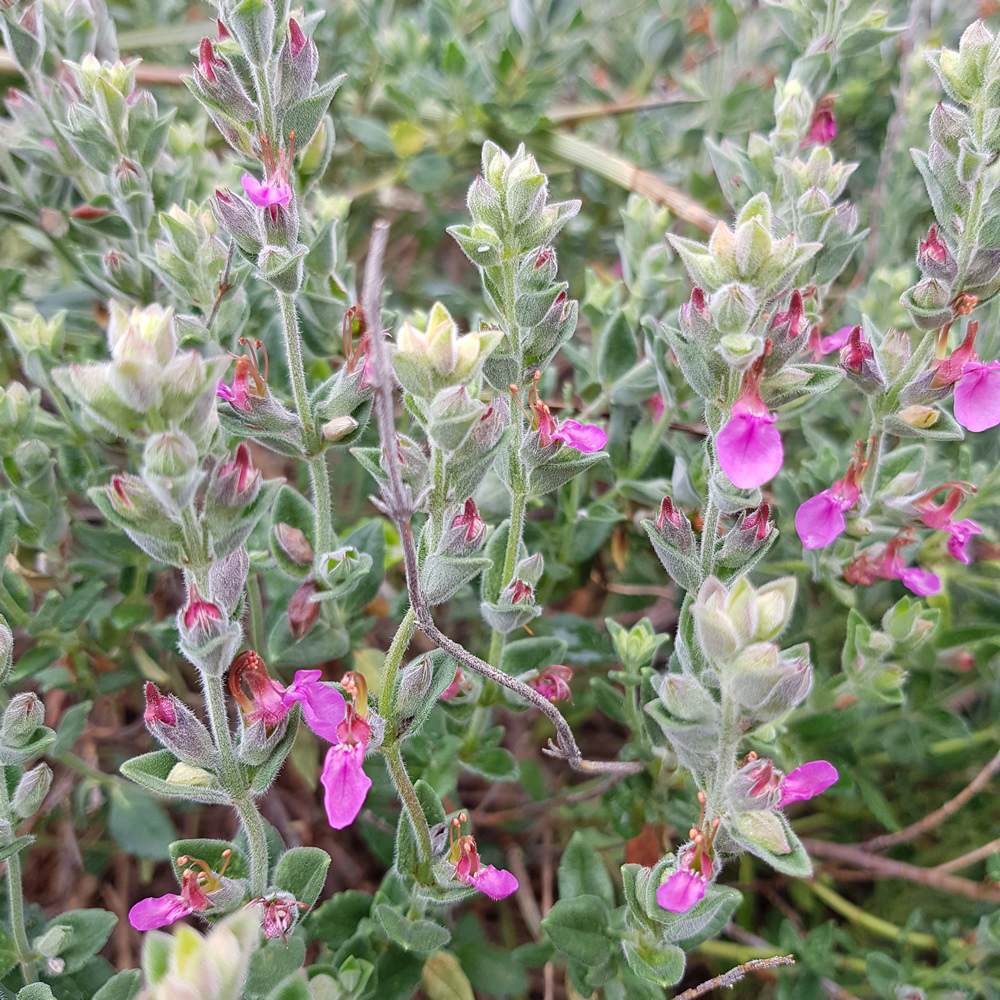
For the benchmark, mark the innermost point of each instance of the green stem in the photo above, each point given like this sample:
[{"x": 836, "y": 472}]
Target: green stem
[
  {"x": 296, "y": 366},
  {"x": 408, "y": 796},
  {"x": 10, "y": 607},
  {"x": 253, "y": 825},
  {"x": 647, "y": 453},
  {"x": 391, "y": 667},
  {"x": 319, "y": 475},
  {"x": 231, "y": 776},
  {"x": 518, "y": 507},
  {"x": 438, "y": 497},
  {"x": 15, "y": 891},
  {"x": 256, "y": 611}
]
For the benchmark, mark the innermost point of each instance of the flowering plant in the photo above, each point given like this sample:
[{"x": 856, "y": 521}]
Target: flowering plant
[{"x": 535, "y": 559}]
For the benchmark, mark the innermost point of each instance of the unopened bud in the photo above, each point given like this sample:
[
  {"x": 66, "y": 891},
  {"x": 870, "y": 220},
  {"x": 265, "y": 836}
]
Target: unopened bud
[
  {"x": 338, "y": 428},
  {"x": 6, "y": 649},
  {"x": 293, "y": 543},
  {"x": 466, "y": 532},
  {"x": 414, "y": 683},
  {"x": 303, "y": 610},
  {"x": 23, "y": 716},
  {"x": 185, "y": 774},
  {"x": 31, "y": 790}
]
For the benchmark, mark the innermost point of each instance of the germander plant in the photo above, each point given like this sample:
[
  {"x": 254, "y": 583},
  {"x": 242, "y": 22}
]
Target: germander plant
[{"x": 195, "y": 418}]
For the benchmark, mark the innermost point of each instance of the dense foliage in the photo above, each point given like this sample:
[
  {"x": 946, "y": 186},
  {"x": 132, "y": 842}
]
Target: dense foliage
[{"x": 471, "y": 471}]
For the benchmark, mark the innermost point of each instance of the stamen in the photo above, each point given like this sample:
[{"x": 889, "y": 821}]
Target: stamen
[{"x": 517, "y": 399}]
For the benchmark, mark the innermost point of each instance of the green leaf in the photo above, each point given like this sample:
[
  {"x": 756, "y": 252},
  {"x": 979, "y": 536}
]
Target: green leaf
[
  {"x": 273, "y": 962},
  {"x": 8, "y": 953},
  {"x": 443, "y": 978},
  {"x": 124, "y": 986},
  {"x": 420, "y": 936},
  {"x": 582, "y": 872},
  {"x": 769, "y": 836},
  {"x": 295, "y": 987},
  {"x": 303, "y": 118},
  {"x": 89, "y": 932},
  {"x": 151, "y": 770},
  {"x": 616, "y": 350},
  {"x": 71, "y": 727},
  {"x": 656, "y": 963},
  {"x": 268, "y": 771},
  {"x": 36, "y": 991},
  {"x": 369, "y": 538},
  {"x": 9, "y": 850},
  {"x": 139, "y": 824},
  {"x": 578, "y": 927},
  {"x": 337, "y": 919},
  {"x": 523, "y": 655},
  {"x": 302, "y": 872},
  {"x": 211, "y": 852}
]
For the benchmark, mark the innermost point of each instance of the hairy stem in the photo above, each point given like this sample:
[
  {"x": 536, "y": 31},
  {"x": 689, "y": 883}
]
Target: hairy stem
[
  {"x": 253, "y": 826},
  {"x": 408, "y": 796},
  {"x": 15, "y": 892},
  {"x": 296, "y": 366},
  {"x": 387, "y": 700}
]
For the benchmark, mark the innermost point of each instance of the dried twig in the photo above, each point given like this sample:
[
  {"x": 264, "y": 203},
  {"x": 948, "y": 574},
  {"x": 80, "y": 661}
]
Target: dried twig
[
  {"x": 526, "y": 902},
  {"x": 225, "y": 285},
  {"x": 397, "y": 502},
  {"x": 936, "y": 818},
  {"x": 878, "y": 867},
  {"x": 965, "y": 860},
  {"x": 733, "y": 976},
  {"x": 546, "y": 805}
]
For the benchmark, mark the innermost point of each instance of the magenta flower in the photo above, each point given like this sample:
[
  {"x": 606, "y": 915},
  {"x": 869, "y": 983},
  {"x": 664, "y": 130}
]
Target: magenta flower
[
  {"x": 977, "y": 396},
  {"x": 888, "y": 564},
  {"x": 266, "y": 703},
  {"x": 158, "y": 708},
  {"x": 158, "y": 911},
  {"x": 277, "y": 915},
  {"x": 240, "y": 392},
  {"x": 807, "y": 781},
  {"x": 823, "y": 128},
  {"x": 961, "y": 532},
  {"x": 749, "y": 446},
  {"x": 323, "y": 706},
  {"x": 463, "y": 855},
  {"x": 208, "y": 60},
  {"x": 458, "y": 684},
  {"x": 344, "y": 780},
  {"x": 553, "y": 683},
  {"x": 949, "y": 370},
  {"x": 820, "y": 519},
  {"x": 272, "y": 192},
  {"x": 240, "y": 470},
  {"x": 474, "y": 525},
  {"x": 821, "y": 346},
  {"x": 681, "y": 891},
  {"x": 200, "y": 614},
  {"x": 583, "y": 437}
]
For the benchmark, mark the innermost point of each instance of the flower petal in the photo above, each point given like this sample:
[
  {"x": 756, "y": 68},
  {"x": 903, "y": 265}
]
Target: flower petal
[
  {"x": 920, "y": 581},
  {"x": 835, "y": 341},
  {"x": 750, "y": 450},
  {"x": 322, "y": 704},
  {"x": 820, "y": 520},
  {"x": 158, "y": 911},
  {"x": 977, "y": 396},
  {"x": 495, "y": 882},
  {"x": 346, "y": 784},
  {"x": 961, "y": 533},
  {"x": 681, "y": 891},
  {"x": 582, "y": 437},
  {"x": 807, "y": 781}
]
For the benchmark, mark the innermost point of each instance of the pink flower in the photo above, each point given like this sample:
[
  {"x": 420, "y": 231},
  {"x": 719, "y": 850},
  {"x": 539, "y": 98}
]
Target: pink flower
[
  {"x": 275, "y": 191},
  {"x": 553, "y": 683},
  {"x": 241, "y": 469},
  {"x": 940, "y": 517},
  {"x": 463, "y": 855},
  {"x": 977, "y": 396},
  {"x": 758, "y": 521},
  {"x": 323, "y": 705},
  {"x": 277, "y": 915},
  {"x": 344, "y": 780},
  {"x": 865, "y": 569},
  {"x": 158, "y": 911},
  {"x": 820, "y": 519},
  {"x": 208, "y": 60},
  {"x": 823, "y": 128},
  {"x": 158, "y": 708},
  {"x": 469, "y": 519},
  {"x": 240, "y": 393},
  {"x": 296, "y": 39},
  {"x": 827, "y": 345},
  {"x": 266, "y": 703},
  {"x": 807, "y": 781},
  {"x": 583, "y": 437},
  {"x": 961, "y": 532},
  {"x": 749, "y": 446},
  {"x": 657, "y": 405},
  {"x": 681, "y": 891},
  {"x": 948, "y": 371},
  {"x": 932, "y": 250},
  {"x": 199, "y": 614},
  {"x": 456, "y": 686}
]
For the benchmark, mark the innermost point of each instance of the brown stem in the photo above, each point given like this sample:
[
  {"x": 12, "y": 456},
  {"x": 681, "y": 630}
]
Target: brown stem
[
  {"x": 733, "y": 976},
  {"x": 397, "y": 502},
  {"x": 936, "y": 818},
  {"x": 965, "y": 860},
  {"x": 877, "y": 867}
]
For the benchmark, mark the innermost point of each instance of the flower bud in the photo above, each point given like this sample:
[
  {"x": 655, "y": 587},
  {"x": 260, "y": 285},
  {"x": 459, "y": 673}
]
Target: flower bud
[
  {"x": 185, "y": 774},
  {"x": 17, "y": 411},
  {"x": 695, "y": 317},
  {"x": 208, "y": 638},
  {"x": 293, "y": 543},
  {"x": 767, "y": 683},
  {"x": 240, "y": 220},
  {"x": 857, "y": 360},
  {"x": 451, "y": 416},
  {"x": 528, "y": 572},
  {"x": 413, "y": 684},
  {"x": 339, "y": 428},
  {"x": 238, "y": 482},
  {"x": 465, "y": 532},
  {"x": 177, "y": 729},
  {"x": 732, "y": 307},
  {"x": 928, "y": 303},
  {"x": 171, "y": 468},
  {"x": 297, "y": 64},
  {"x": 340, "y": 571},
  {"x": 31, "y": 790},
  {"x": 948, "y": 125},
  {"x": 23, "y": 716},
  {"x": 6, "y": 649},
  {"x": 36, "y": 334},
  {"x": 636, "y": 647},
  {"x": 751, "y": 534},
  {"x": 303, "y": 610}
]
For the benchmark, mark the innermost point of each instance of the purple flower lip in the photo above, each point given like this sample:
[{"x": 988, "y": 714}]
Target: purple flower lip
[
  {"x": 681, "y": 891},
  {"x": 807, "y": 781}
]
